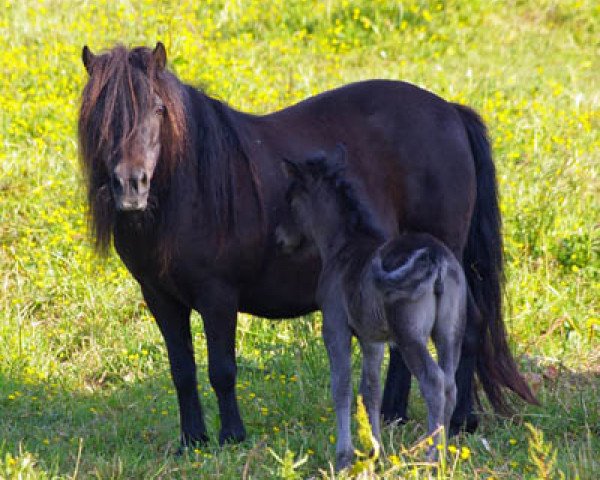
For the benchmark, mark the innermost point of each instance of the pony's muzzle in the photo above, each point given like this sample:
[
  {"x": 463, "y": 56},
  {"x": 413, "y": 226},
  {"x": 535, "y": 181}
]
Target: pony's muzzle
[{"x": 130, "y": 190}]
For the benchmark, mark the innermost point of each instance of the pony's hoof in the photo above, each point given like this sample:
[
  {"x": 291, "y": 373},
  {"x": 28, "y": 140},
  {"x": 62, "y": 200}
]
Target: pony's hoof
[
  {"x": 188, "y": 444},
  {"x": 472, "y": 423},
  {"x": 394, "y": 414},
  {"x": 232, "y": 435},
  {"x": 390, "y": 419},
  {"x": 469, "y": 425}
]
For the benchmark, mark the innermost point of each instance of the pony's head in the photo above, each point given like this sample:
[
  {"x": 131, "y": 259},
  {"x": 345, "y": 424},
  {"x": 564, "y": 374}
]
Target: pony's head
[{"x": 131, "y": 127}]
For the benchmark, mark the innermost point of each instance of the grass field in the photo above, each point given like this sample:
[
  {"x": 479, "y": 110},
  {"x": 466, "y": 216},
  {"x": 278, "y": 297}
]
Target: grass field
[{"x": 84, "y": 382}]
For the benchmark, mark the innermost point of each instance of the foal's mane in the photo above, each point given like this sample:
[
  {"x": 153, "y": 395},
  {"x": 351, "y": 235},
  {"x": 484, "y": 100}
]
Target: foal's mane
[
  {"x": 355, "y": 215},
  {"x": 359, "y": 226}
]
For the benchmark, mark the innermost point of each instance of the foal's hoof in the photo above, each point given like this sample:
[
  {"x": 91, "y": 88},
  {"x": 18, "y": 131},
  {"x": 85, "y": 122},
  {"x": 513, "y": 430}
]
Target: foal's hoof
[
  {"x": 343, "y": 460},
  {"x": 232, "y": 435},
  {"x": 432, "y": 454}
]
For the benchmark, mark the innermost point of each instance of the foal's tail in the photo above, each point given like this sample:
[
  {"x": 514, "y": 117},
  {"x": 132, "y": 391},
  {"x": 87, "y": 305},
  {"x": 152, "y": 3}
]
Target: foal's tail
[
  {"x": 483, "y": 264},
  {"x": 408, "y": 281}
]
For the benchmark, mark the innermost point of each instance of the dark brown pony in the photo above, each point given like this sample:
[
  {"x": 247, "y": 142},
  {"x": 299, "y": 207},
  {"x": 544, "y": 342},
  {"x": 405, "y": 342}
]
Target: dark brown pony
[{"x": 191, "y": 192}]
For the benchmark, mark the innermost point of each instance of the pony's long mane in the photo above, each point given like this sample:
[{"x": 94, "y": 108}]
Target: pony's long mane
[
  {"x": 196, "y": 129},
  {"x": 123, "y": 82}
]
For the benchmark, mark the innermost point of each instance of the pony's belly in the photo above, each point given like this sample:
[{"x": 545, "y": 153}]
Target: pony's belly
[
  {"x": 276, "y": 312},
  {"x": 283, "y": 290},
  {"x": 274, "y": 303}
]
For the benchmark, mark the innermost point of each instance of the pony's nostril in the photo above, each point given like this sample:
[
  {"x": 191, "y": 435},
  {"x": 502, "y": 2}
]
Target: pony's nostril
[
  {"x": 144, "y": 180},
  {"x": 117, "y": 185}
]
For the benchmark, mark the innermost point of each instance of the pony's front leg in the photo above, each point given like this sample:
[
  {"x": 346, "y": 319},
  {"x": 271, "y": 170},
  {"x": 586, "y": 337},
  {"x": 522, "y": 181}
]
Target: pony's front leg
[
  {"x": 370, "y": 385},
  {"x": 173, "y": 319},
  {"x": 338, "y": 341},
  {"x": 219, "y": 314}
]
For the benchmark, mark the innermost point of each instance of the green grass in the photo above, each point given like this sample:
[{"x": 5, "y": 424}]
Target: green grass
[{"x": 84, "y": 383}]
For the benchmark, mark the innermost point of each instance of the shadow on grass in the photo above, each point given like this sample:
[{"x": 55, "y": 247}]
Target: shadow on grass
[
  {"x": 121, "y": 424},
  {"x": 111, "y": 428},
  {"x": 130, "y": 429}
]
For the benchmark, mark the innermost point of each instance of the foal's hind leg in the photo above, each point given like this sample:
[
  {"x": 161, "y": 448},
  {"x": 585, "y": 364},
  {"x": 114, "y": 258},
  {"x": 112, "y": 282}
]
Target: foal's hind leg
[
  {"x": 431, "y": 382},
  {"x": 370, "y": 388},
  {"x": 448, "y": 351}
]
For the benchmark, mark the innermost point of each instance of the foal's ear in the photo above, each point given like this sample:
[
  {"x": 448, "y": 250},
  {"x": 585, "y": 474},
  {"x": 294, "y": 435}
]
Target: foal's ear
[
  {"x": 290, "y": 169},
  {"x": 88, "y": 58},
  {"x": 159, "y": 56},
  {"x": 338, "y": 158},
  {"x": 318, "y": 165}
]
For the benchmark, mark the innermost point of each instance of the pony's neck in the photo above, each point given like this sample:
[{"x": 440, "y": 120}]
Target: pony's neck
[{"x": 219, "y": 158}]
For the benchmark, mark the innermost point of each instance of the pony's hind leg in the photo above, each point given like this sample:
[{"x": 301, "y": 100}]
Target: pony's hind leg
[
  {"x": 397, "y": 388},
  {"x": 470, "y": 335},
  {"x": 370, "y": 388}
]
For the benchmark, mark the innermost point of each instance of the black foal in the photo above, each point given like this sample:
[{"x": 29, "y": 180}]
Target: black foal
[{"x": 405, "y": 291}]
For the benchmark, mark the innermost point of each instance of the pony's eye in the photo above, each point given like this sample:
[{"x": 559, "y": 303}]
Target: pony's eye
[{"x": 159, "y": 110}]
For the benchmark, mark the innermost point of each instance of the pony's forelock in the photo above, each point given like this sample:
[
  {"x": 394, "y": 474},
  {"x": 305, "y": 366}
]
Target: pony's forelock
[{"x": 121, "y": 87}]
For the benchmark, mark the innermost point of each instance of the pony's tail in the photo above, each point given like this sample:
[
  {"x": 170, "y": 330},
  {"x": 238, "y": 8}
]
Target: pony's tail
[
  {"x": 483, "y": 264},
  {"x": 409, "y": 280}
]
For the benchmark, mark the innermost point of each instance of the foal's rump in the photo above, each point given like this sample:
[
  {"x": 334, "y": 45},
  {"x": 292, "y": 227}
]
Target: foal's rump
[
  {"x": 411, "y": 264},
  {"x": 418, "y": 272},
  {"x": 425, "y": 295},
  {"x": 410, "y": 280}
]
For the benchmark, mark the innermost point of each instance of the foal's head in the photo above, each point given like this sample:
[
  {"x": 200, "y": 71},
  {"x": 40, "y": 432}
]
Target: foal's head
[
  {"x": 131, "y": 119},
  {"x": 323, "y": 201}
]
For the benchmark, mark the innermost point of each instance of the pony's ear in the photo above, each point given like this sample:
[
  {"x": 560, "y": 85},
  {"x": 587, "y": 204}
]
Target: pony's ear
[
  {"x": 290, "y": 169},
  {"x": 88, "y": 58},
  {"x": 159, "y": 56}
]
